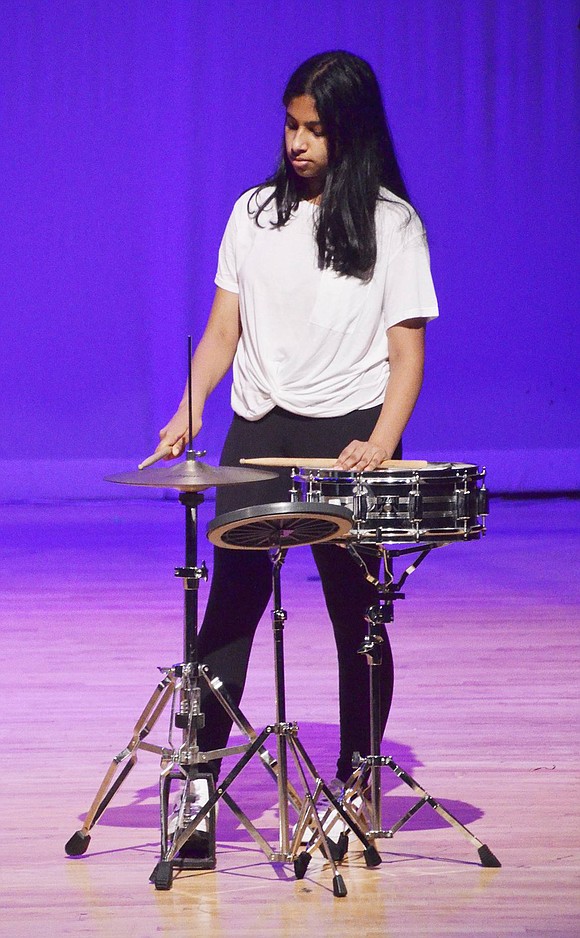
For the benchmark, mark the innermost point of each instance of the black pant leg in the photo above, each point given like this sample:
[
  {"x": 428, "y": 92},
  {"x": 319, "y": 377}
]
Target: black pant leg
[{"x": 241, "y": 582}]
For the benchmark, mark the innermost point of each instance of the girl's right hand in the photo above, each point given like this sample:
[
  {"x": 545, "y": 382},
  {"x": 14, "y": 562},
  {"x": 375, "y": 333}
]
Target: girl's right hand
[{"x": 173, "y": 437}]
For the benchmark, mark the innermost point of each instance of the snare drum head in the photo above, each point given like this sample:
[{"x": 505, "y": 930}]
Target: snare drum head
[
  {"x": 432, "y": 471},
  {"x": 282, "y": 524}
]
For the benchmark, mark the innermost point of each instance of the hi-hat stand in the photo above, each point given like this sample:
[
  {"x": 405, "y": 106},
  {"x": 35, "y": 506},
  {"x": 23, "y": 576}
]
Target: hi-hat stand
[
  {"x": 366, "y": 777},
  {"x": 180, "y": 687},
  {"x": 182, "y": 763}
]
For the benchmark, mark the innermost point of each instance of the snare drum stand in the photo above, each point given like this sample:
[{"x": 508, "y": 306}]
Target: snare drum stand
[
  {"x": 368, "y": 768},
  {"x": 287, "y": 740},
  {"x": 178, "y": 763}
]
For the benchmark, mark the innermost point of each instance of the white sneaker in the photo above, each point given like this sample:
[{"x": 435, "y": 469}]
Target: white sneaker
[
  {"x": 336, "y": 787},
  {"x": 326, "y": 811},
  {"x": 331, "y": 820},
  {"x": 190, "y": 797}
]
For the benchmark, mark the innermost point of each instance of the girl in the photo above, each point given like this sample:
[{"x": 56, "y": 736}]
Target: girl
[{"x": 323, "y": 292}]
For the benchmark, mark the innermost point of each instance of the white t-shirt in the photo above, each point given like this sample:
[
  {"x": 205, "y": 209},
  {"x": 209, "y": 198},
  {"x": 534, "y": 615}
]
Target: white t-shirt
[{"x": 314, "y": 342}]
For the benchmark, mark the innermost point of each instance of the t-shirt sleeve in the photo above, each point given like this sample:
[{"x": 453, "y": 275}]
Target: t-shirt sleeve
[
  {"x": 409, "y": 291},
  {"x": 227, "y": 269}
]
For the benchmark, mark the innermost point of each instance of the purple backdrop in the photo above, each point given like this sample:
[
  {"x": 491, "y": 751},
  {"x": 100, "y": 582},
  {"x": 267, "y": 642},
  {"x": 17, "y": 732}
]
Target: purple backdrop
[{"x": 128, "y": 129}]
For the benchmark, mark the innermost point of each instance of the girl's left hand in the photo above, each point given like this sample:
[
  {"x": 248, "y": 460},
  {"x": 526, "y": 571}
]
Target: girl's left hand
[{"x": 361, "y": 455}]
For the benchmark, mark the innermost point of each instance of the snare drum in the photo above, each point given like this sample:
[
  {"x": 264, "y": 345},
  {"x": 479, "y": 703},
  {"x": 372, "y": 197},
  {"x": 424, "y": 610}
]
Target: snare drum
[{"x": 441, "y": 502}]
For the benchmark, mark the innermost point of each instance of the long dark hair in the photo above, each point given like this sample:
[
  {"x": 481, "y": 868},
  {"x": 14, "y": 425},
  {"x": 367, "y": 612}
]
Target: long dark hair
[{"x": 361, "y": 161}]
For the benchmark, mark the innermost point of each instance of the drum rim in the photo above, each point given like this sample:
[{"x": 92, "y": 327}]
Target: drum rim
[
  {"x": 440, "y": 471},
  {"x": 392, "y": 536},
  {"x": 228, "y": 521}
]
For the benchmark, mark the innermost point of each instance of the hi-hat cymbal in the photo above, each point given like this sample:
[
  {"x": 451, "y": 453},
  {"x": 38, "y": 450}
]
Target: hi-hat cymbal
[{"x": 190, "y": 475}]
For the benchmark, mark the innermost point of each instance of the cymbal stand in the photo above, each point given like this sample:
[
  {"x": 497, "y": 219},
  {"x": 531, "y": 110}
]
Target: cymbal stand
[
  {"x": 367, "y": 769},
  {"x": 178, "y": 682},
  {"x": 179, "y": 762},
  {"x": 287, "y": 741}
]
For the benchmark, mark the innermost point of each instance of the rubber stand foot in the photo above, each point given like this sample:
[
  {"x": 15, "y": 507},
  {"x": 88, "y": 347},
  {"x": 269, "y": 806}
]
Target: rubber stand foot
[
  {"x": 487, "y": 857},
  {"x": 301, "y": 864},
  {"x": 372, "y": 857},
  {"x": 163, "y": 875},
  {"x": 338, "y": 886},
  {"x": 78, "y": 844}
]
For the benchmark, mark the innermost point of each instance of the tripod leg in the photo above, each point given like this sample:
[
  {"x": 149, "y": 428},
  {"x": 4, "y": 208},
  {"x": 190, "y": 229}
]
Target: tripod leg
[
  {"x": 372, "y": 857},
  {"x": 114, "y": 777},
  {"x": 371, "y": 854},
  {"x": 300, "y": 864},
  {"x": 486, "y": 856},
  {"x": 233, "y": 710},
  {"x": 356, "y": 796},
  {"x": 256, "y": 747}
]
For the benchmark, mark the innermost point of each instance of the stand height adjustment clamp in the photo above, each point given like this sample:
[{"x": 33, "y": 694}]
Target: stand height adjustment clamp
[
  {"x": 372, "y": 648},
  {"x": 185, "y": 720},
  {"x": 190, "y": 714},
  {"x": 192, "y": 575}
]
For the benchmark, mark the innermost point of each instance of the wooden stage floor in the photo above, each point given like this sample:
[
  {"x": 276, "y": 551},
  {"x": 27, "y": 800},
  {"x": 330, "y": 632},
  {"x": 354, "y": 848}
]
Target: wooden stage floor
[{"x": 485, "y": 715}]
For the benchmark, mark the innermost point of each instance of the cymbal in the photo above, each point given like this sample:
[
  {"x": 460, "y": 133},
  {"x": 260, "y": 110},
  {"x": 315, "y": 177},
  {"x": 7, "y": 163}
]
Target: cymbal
[{"x": 190, "y": 475}]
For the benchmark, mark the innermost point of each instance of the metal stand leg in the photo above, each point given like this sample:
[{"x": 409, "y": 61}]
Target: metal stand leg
[
  {"x": 486, "y": 856},
  {"x": 115, "y": 775},
  {"x": 368, "y": 768}
]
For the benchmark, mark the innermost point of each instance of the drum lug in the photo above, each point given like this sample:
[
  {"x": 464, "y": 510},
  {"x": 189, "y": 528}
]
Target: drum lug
[
  {"x": 415, "y": 506},
  {"x": 294, "y": 492},
  {"x": 462, "y": 506},
  {"x": 313, "y": 493},
  {"x": 482, "y": 502},
  {"x": 359, "y": 508}
]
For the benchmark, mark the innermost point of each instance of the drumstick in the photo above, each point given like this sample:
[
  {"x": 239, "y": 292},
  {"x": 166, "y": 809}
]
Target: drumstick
[
  {"x": 310, "y": 463},
  {"x": 155, "y": 457}
]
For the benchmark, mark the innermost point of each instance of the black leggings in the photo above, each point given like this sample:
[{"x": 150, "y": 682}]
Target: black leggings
[{"x": 242, "y": 580}]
